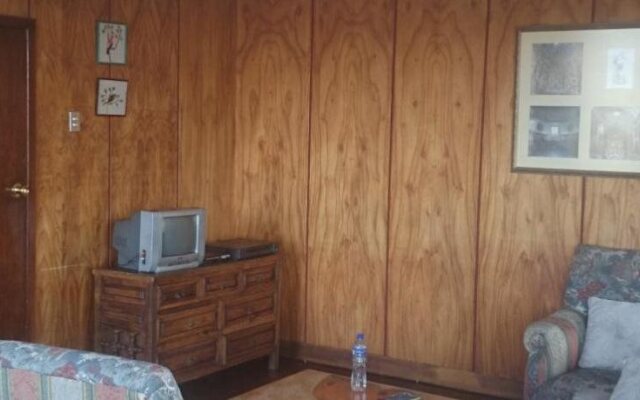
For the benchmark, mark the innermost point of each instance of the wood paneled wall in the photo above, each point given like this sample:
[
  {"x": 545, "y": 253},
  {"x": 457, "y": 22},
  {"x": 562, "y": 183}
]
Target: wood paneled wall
[
  {"x": 207, "y": 110},
  {"x": 16, "y": 8},
  {"x": 416, "y": 229},
  {"x": 270, "y": 166},
  {"x": 349, "y": 176},
  {"x": 372, "y": 139},
  {"x": 72, "y": 173},
  {"x": 252, "y": 116},
  {"x": 529, "y": 223},
  {"x": 144, "y": 157},
  {"x": 434, "y": 180},
  {"x": 113, "y": 166}
]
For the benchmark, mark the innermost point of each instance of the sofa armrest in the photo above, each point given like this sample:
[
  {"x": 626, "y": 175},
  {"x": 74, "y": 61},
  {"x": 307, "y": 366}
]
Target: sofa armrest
[
  {"x": 153, "y": 381},
  {"x": 554, "y": 345}
]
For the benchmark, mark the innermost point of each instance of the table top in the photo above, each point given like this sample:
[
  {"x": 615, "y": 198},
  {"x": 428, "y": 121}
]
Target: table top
[
  {"x": 335, "y": 387},
  {"x": 317, "y": 385}
]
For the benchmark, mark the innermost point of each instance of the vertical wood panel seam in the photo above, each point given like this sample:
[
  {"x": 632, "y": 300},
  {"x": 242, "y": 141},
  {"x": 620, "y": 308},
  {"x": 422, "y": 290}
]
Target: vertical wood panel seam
[
  {"x": 109, "y": 160},
  {"x": 306, "y": 266},
  {"x": 583, "y": 197},
  {"x": 30, "y": 272},
  {"x": 178, "y": 114},
  {"x": 109, "y": 187},
  {"x": 479, "y": 188},
  {"x": 583, "y": 201},
  {"x": 391, "y": 125}
]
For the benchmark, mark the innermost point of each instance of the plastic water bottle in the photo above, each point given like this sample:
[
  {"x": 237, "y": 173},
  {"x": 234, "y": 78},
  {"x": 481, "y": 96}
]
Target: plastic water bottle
[{"x": 359, "y": 359}]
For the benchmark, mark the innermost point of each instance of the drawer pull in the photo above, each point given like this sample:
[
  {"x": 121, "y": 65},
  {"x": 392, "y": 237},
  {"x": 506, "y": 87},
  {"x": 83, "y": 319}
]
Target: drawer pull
[
  {"x": 189, "y": 361},
  {"x": 179, "y": 295},
  {"x": 191, "y": 324}
]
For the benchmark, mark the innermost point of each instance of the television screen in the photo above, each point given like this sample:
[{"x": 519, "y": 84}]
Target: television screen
[{"x": 179, "y": 235}]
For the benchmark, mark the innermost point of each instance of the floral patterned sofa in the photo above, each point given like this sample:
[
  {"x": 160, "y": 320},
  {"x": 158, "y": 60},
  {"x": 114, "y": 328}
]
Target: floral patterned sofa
[
  {"x": 37, "y": 372},
  {"x": 555, "y": 343}
]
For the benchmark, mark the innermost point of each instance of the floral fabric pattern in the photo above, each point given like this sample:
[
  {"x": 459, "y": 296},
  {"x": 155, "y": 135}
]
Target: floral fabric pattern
[
  {"x": 32, "y": 371},
  {"x": 554, "y": 345},
  {"x": 27, "y": 385},
  {"x": 586, "y": 383},
  {"x": 611, "y": 274}
]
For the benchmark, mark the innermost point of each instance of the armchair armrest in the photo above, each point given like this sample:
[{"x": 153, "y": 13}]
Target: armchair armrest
[
  {"x": 554, "y": 346},
  {"x": 152, "y": 381}
]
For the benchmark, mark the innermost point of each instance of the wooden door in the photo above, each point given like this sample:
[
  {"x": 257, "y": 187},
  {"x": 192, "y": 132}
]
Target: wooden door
[{"x": 15, "y": 36}]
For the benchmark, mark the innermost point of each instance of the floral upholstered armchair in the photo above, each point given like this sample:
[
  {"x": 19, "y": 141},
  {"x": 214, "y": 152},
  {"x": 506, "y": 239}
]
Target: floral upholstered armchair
[
  {"x": 36, "y": 372},
  {"x": 556, "y": 342}
]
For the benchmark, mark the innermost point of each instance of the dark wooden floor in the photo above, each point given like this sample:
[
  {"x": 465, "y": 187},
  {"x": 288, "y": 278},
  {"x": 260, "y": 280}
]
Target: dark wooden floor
[{"x": 234, "y": 381}]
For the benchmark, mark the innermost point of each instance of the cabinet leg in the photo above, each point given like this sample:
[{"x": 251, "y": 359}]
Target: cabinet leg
[{"x": 274, "y": 359}]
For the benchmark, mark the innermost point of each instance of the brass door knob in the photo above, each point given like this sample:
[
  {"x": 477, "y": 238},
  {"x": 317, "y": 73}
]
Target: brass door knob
[{"x": 17, "y": 190}]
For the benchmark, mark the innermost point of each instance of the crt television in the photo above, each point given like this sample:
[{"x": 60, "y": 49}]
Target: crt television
[{"x": 163, "y": 240}]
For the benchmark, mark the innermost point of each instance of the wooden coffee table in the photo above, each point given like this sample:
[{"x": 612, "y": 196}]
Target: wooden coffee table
[
  {"x": 317, "y": 385},
  {"x": 335, "y": 387}
]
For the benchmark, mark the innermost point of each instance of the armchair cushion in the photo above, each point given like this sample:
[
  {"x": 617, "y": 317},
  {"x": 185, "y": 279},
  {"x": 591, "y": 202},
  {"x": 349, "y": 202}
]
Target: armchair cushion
[
  {"x": 628, "y": 387},
  {"x": 554, "y": 346},
  {"x": 580, "y": 384},
  {"x": 613, "y": 334},
  {"x": 610, "y": 274}
]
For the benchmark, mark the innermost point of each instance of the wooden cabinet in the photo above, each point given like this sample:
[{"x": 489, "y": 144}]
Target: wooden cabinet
[{"x": 195, "y": 321}]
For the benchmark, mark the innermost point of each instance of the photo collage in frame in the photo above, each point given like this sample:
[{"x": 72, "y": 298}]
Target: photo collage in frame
[{"x": 578, "y": 101}]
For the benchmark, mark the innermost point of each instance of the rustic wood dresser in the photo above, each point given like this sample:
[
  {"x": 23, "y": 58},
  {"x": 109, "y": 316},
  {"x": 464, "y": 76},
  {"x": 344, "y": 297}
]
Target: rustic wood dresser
[{"x": 195, "y": 321}]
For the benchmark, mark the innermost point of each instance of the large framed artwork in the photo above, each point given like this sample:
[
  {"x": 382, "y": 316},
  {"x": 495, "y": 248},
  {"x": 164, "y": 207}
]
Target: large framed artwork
[{"x": 578, "y": 100}]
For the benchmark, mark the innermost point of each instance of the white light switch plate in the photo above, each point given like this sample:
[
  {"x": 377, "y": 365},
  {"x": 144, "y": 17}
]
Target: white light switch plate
[{"x": 74, "y": 121}]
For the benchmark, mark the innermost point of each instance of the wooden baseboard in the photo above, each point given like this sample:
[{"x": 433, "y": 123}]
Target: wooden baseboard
[{"x": 409, "y": 370}]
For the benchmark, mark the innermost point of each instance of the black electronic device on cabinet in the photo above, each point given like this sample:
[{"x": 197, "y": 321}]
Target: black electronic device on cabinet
[{"x": 239, "y": 249}]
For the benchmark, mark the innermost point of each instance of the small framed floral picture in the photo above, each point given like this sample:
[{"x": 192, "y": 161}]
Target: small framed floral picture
[
  {"x": 111, "y": 43},
  {"x": 112, "y": 97}
]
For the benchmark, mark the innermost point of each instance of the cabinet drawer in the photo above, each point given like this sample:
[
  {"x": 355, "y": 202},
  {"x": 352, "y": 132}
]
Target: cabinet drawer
[
  {"x": 192, "y": 338},
  {"x": 247, "y": 310},
  {"x": 131, "y": 295},
  {"x": 177, "y": 293},
  {"x": 120, "y": 341},
  {"x": 222, "y": 283},
  {"x": 187, "y": 321},
  {"x": 260, "y": 279},
  {"x": 205, "y": 353},
  {"x": 250, "y": 343}
]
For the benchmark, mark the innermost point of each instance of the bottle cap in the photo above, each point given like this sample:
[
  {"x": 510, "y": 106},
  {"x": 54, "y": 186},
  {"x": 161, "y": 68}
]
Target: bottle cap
[{"x": 360, "y": 336}]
